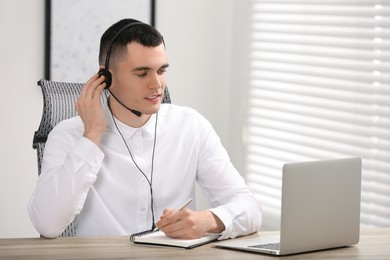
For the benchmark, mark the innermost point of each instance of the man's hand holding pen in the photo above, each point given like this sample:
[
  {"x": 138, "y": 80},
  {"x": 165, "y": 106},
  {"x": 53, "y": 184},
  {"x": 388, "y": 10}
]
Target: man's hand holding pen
[{"x": 186, "y": 223}]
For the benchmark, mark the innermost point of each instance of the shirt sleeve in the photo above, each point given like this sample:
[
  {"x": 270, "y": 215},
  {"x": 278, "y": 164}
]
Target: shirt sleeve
[
  {"x": 69, "y": 168},
  {"x": 232, "y": 200}
]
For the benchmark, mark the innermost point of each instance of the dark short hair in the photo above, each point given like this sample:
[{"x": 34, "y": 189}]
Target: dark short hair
[{"x": 143, "y": 34}]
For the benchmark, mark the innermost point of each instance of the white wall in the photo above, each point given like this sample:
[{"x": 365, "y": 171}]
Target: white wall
[
  {"x": 21, "y": 52},
  {"x": 199, "y": 39}
]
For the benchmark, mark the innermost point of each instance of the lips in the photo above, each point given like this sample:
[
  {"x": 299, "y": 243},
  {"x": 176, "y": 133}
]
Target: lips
[{"x": 153, "y": 98}]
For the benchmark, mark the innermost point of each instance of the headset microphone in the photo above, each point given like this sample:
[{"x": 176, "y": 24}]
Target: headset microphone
[
  {"x": 107, "y": 74},
  {"x": 135, "y": 112}
]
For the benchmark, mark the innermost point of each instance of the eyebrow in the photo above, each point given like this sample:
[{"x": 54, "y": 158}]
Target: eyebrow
[{"x": 142, "y": 68}]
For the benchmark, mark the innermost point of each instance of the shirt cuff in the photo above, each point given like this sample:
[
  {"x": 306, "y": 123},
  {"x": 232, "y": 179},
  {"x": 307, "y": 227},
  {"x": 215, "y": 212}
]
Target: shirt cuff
[{"x": 226, "y": 219}]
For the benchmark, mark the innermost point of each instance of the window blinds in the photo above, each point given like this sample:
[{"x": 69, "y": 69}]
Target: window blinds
[{"x": 319, "y": 88}]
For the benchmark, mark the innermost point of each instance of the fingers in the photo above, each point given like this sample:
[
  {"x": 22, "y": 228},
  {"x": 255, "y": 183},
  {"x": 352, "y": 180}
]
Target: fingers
[
  {"x": 91, "y": 92},
  {"x": 179, "y": 224},
  {"x": 166, "y": 213},
  {"x": 93, "y": 87},
  {"x": 189, "y": 224},
  {"x": 163, "y": 218},
  {"x": 172, "y": 224}
]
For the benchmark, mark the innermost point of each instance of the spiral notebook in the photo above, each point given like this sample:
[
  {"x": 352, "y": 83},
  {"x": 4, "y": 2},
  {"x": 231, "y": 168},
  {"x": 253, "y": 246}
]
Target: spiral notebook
[{"x": 158, "y": 238}]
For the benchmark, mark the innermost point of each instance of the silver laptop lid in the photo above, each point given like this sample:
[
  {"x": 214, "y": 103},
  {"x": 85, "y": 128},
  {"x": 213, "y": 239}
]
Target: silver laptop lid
[{"x": 320, "y": 205}]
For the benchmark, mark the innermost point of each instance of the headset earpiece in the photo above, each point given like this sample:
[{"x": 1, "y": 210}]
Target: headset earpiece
[{"x": 107, "y": 75}]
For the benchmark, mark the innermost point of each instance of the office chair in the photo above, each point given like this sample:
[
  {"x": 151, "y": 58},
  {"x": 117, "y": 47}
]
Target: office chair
[{"x": 59, "y": 104}]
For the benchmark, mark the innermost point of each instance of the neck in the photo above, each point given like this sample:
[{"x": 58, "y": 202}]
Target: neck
[{"x": 126, "y": 116}]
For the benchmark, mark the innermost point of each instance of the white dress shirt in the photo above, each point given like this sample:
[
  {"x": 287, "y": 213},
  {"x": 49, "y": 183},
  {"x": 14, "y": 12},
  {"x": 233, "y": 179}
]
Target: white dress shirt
[{"x": 101, "y": 190}]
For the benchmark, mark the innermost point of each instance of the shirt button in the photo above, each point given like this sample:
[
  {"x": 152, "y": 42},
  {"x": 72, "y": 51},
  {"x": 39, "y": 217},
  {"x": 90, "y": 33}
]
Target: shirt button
[{"x": 143, "y": 209}]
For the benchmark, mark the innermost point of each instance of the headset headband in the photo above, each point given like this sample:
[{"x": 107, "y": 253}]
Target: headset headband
[{"x": 106, "y": 66}]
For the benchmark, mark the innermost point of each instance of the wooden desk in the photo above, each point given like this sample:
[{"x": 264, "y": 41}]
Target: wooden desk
[{"x": 374, "y": 244}]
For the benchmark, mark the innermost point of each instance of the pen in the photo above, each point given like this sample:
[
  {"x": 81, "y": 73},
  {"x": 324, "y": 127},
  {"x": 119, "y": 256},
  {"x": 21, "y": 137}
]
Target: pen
[{"x": 182, "y": 206}]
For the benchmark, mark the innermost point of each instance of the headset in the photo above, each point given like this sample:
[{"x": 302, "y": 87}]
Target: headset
[{"x": 107, "y": 74}]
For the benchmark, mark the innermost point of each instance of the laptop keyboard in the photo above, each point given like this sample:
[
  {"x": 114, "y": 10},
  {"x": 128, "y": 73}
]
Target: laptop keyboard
[{"x": 269, "y": 246}]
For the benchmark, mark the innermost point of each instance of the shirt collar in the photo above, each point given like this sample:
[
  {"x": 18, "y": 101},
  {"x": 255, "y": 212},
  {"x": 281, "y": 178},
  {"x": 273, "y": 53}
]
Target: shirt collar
[{"x": 147, "y": 130}]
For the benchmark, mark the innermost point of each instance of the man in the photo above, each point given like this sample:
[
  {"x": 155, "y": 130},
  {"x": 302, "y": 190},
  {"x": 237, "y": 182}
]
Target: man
[{"x": 115, "y": 169}]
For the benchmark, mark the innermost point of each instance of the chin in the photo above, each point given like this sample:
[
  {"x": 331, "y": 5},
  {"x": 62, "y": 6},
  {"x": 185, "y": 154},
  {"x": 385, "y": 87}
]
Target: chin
[{"x": 151, "y": 111}]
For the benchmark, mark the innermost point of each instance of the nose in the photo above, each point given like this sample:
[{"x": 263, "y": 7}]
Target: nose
[{"x": 156, "y": 81}]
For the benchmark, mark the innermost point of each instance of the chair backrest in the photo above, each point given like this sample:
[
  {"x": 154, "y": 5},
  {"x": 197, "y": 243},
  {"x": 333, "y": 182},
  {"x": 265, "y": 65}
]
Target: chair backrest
[{"x": 59, "y": 104}]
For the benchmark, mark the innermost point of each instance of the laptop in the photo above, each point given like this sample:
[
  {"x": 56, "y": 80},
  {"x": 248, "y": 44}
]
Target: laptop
[{"x": 320, "y": 209}]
